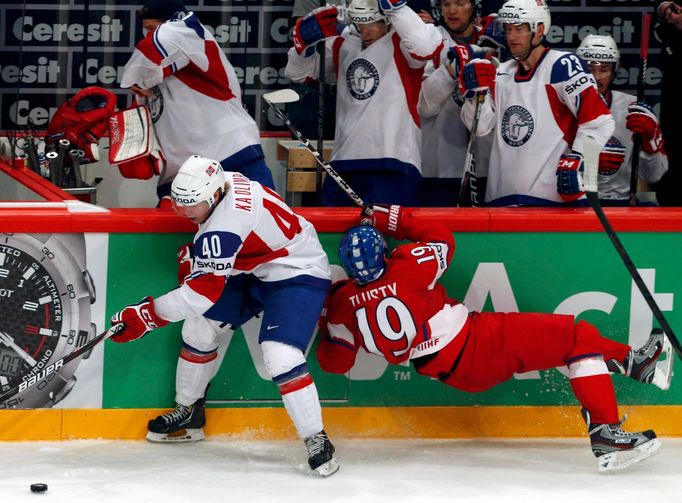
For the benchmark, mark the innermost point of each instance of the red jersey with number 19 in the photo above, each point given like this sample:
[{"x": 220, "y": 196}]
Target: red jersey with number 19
[{"x": 403, "y": 314}]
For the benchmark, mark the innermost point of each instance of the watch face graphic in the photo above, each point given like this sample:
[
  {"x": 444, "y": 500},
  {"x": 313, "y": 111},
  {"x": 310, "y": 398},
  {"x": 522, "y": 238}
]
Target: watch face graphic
[{"x": 45, "y": 297}]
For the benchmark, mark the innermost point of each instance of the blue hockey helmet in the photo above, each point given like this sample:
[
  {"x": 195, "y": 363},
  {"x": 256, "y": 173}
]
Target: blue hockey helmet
[{"x": 363, "y": 253}]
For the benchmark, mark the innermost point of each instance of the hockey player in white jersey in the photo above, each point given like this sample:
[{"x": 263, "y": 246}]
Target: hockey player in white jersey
[
  {"x": 615, "y": 161},
  {"x": 377, "y": 63},
  {"x": 542, "y": 104},
  {"x": 252, "y": 254},
  {"x": 180, "y": 72},
  {"x": 444, "y": 136}
]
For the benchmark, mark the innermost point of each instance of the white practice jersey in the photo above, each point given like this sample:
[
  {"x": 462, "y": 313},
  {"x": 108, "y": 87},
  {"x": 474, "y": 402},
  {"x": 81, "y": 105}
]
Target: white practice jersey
[
  {"x": 537, "y": 118},
  {"x": 250, "y": 231},
  {"x": 444, "y": 135},
  {"x": 197, "y": 103},
  {"x": 651, "y": 166},
  {"x": 377, "y": 123}
]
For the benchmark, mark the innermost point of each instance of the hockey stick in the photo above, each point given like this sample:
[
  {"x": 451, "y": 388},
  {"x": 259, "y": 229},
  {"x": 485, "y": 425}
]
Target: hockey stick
[
  {"x": 56, "y": 366},
  {"x": 591, "y": 151},
  {"x": 469, "y": 178},
  {"x": 637, "y": 143},
  {"x": 321, "y": 51},
  {"x": 289, "y": 96}
]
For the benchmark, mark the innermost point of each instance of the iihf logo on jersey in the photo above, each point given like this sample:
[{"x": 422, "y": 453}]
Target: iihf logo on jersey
[
  {"x": 155, "y": 103},
  {"x": 362, "y": 79},
  {"x": 517, "y": 125}
]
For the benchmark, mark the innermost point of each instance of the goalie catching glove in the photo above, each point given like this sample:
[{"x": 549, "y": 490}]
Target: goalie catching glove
[
  {"x": 138, "y": 320},
  {"x": 569, "y": 177},
  {"x": 642, "y": 120},
  {"x": 133, "y": 145},
  {"x": 317, "y": 25}
]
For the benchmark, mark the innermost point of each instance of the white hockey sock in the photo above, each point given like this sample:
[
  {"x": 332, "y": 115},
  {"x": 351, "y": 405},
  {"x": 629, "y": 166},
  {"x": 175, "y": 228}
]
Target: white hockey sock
[{"x": 304, "y": 409}]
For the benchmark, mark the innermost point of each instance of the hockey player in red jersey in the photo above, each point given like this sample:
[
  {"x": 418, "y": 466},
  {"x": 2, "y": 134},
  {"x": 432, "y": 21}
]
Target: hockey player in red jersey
[
  {"x": 252, "y": 254},
  {"x": 393, "y": 306}
]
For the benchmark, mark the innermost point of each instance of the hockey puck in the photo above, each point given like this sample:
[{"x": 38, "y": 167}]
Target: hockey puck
[{"x": 38, "y": 488}]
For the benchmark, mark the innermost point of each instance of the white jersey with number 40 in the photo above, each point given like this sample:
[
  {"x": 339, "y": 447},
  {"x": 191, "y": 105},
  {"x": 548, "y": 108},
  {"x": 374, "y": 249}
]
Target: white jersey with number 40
[{"x": 250, "y": 231}]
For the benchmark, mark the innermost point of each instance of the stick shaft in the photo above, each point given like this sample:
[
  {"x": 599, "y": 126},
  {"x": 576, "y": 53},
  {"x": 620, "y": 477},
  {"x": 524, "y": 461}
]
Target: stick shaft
[{"x": 318, "y": 157}]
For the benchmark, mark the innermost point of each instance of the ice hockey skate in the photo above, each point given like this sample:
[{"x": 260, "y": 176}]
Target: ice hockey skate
[
  {"x": 183, "y": 424},
  {"x": 617, "y": 449},
  {"x": 321, "y": 454},
  {"x": 643, "y": 365}
]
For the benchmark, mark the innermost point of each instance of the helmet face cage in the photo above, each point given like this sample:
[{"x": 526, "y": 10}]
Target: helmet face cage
[
  {"x": 532, "y": 12},
  {"x": 364, "y": 12},
  {"x": 197, "y": 181},
  {"x": 600, "y": 49},
  {"x": 362, "y": 253}
]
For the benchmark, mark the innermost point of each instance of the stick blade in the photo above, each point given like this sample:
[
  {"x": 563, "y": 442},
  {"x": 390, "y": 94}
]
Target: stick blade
[{"x": 281, "y": 96}]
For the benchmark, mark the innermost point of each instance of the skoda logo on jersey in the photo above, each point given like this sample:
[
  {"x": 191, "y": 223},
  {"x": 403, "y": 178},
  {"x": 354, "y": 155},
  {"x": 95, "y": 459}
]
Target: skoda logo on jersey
[
  {"x": 517, "y": 126},
  {"x": 155, "y": 104},
  {"x": 362, "y": 79}
]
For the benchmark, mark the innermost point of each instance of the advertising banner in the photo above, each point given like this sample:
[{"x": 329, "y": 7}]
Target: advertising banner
[{"x": 50, "y": 49}]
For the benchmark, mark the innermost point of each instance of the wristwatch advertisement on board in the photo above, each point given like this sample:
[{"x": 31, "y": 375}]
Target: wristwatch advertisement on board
[{"x": 46, "y": 294}]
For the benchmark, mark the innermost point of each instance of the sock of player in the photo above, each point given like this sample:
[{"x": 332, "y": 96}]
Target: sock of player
[
  {"x": 303, "y": 405},
  {"x": 287, "y": 366},
  {"x": 592, "y": 386},
  {"x": 194, "y": 371}
]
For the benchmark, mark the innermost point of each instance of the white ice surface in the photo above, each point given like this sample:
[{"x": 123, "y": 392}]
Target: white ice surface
[{"x": 225, "y": 470}]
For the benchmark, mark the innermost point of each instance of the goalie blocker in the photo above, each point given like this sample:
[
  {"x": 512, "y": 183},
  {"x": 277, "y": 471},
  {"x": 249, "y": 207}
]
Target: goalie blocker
[{"x": 133, "y": 145}]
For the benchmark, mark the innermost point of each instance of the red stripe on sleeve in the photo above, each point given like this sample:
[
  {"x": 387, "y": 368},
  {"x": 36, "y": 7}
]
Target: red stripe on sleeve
[
  {"x": 562, "y": 115},
  {"x": 208, "y": 285},
  {"x": 146, "y": 46},
  {"x": 591, "y": 106},
  {"x": 410, "y": 77},
  {"x": 336, "y": 50},
  {"x": 213, "y": 82},
  {"x": 430, "y": 56}
]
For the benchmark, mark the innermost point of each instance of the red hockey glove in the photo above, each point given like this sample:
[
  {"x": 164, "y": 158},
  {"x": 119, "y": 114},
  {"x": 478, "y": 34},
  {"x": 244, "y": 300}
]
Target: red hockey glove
[
  {"x": 387, "y": 220},
  {"x": 569, "y": 177},
  {"x": 642, "y": 120},
  {"x": 477, "y": 75},
  {"x": 317, "y": 25},
  {"x": 185, "y": 259},
  {"x": 611, "y": 157},
  {"x": 138, "y": 320},
  {"x": 460, "y": 55}
]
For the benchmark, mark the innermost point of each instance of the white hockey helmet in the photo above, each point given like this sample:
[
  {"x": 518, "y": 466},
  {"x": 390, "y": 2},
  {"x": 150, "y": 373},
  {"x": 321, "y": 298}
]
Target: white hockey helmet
[
  {"x": 600, "y": 49},
  {"x": 365, "y": 12},
  {"x": 197, "y": 181},
  {"x": 532, "y": 12}
]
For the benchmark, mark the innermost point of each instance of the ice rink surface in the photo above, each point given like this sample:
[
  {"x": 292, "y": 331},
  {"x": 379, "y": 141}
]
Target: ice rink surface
[{"x": 226, "y": 470}]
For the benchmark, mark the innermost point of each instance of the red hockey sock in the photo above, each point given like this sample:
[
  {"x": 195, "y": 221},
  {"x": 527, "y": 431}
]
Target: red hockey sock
[{"x": 595, "y": 391}]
